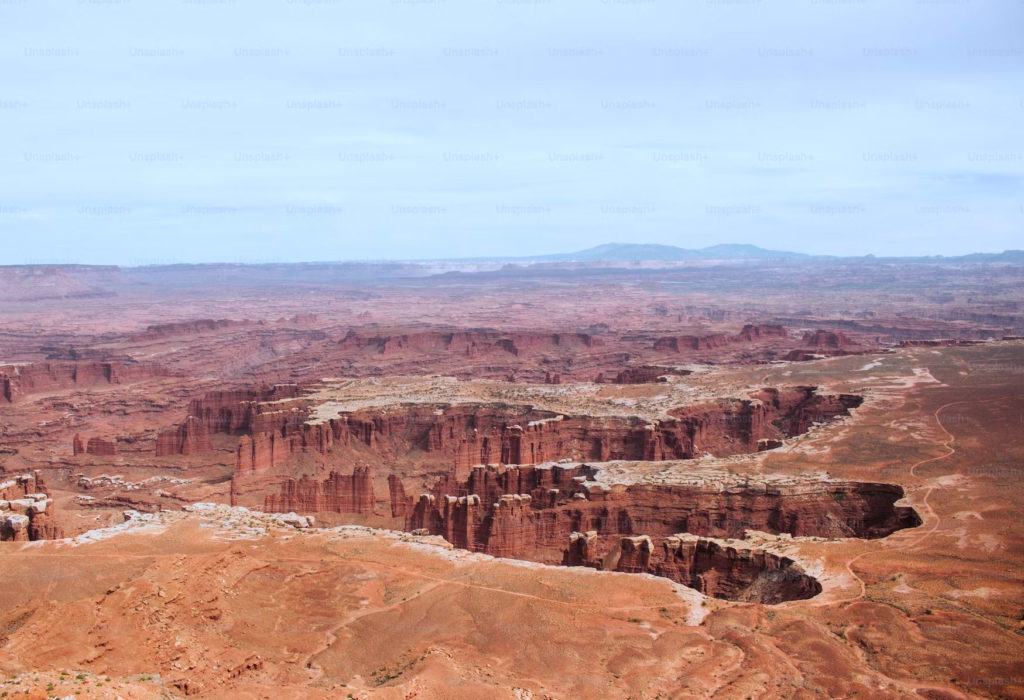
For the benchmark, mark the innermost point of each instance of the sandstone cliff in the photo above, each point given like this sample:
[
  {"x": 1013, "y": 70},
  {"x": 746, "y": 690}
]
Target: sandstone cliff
[
  {"x": 338, "y": 493},
  {"x": 188, "y": 438},
  {"x": 26, "y": 511},
  {"x": 18, "y": 381}
]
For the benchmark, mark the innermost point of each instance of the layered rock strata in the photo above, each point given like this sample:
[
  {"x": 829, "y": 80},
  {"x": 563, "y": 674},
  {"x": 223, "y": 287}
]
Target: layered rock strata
[
  {"x": 733, "y": 572},
  {"x": 338, "y": 493},
  {"x": 749, "y": 333},
  {"x": 20, "y": 380},
  {"x": 560, "y": 515},
  {"x": 465, "y": 435},
  {"x": 26, "y": 511}
]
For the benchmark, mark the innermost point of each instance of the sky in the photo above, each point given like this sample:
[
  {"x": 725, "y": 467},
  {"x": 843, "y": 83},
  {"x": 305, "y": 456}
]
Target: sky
[{"x": 138, "y": 133}]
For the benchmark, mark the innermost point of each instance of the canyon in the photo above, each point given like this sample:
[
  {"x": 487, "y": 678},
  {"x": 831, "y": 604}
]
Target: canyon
[{"x": 575, "y": 480}]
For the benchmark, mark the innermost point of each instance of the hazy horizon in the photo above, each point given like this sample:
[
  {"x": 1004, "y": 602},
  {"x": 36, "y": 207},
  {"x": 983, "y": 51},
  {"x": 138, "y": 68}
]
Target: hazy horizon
[
  {"x": 526, "y": 258},
  {"x": 288, "y": 130}
]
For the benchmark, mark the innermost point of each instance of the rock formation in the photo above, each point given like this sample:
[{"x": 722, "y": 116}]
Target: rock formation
[
  {"x": 18, "y": 381},
  {"x": 401, "y": 504},
  {"x": 338, "y": 494},
  {"x": 466, "y": 435},
  {"x": 832, "y": 340},
  {"x": 749, "y": 333},
  {"x": 542, "y": 513},
  {"x": 188, "y": 438},
  {"x": 101, "y": 447},
  {"x": 563, "y": 500},
  {"x": 822, "y": 343},
  {"x": 733, "y": 572},
  {"x": 26, "y": 511},
  {"x": 202, "y": 325},
  {"x": 467, "y": 343},
  {"x": 648, "y": 374}
]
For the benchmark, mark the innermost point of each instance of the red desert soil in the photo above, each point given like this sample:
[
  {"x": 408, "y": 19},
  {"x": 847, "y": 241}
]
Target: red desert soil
[{"x": 773, "y": 502}]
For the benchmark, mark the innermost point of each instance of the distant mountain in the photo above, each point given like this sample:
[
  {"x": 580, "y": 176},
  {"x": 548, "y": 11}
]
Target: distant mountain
[
  {"x": 620, "y": 252},
  {"x": 1007, "y": 256},
  {"x": 627, "y": 252}
]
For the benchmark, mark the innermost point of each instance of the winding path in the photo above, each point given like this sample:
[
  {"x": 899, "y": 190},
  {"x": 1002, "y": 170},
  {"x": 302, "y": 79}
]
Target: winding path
[{"x": 950, "y": 450}]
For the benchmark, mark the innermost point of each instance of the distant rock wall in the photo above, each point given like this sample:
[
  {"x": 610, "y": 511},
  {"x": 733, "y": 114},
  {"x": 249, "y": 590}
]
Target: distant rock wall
[{"x": 19, "y": 381}]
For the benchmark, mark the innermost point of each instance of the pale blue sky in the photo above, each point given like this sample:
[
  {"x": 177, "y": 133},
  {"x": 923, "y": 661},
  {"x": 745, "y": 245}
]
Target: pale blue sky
[{"x": 204, "y": 130}]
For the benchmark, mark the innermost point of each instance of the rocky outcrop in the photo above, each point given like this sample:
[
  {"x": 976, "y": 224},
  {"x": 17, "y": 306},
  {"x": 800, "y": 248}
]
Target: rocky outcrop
[
  {"x": 689, "y": 343},
  {"x": 733, "y": 572},
  {"x": 188, "y": 438},
  {"x": 751, "y": 332},
  {"x": 682, "y": 343},
  {"x": 560, "y": 501},
  {"x": 95, "y": 446},
  {"x": 26, "y": 511},
  {"x": 648, "y": 374},
  {"x": 339, "y": 494},
  {"x": 202, "y": 325},
  {"x": 468, "y": 343},
  {"x": 831, "y": 340},
  {"x": 822, "y": 343},
  {"x": 101, "y": 447},
  {"x": 246, "y": 410},
  {"x": 453, "y": 439},
  {"x": 467, "y": 435},
  {"x": 18, "y": 381},
  {"x": 401, "y": 504},
  {"x": 794, "y": 410},
  {"x": 559, "y": 515}
]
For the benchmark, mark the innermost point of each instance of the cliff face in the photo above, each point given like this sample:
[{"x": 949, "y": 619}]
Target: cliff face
[
  {"x": 95, "y": 446},
  {"x": 559, "y": 516},
  {"x": 821, "y": 339},
  {"x": 401, "y": 504},
  {"x": 553, "y": 503},
  {"x": 687, "y": 343},
  {"x": 242, "y": 411},
  {"x": 338, "y": 494},
  {"x": 194, "y": 327},
  {"x": 101, "y": 446},
  {"x": 720, "y": 571},
  {"x": 188, "y": 438},
  {"x": 466, "y": 343},
  {"x": 822, "y": 343},
  {"x": 647, "y": 374},
  {"x": 794, "y": 410},
  {"x": 464, "y": 436},
  {"x": 26, "y": 511},
  {"x": 751, "y": 332},
  {"x": 453, "y": 439},
  {"x": 18, "y": 381}
]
